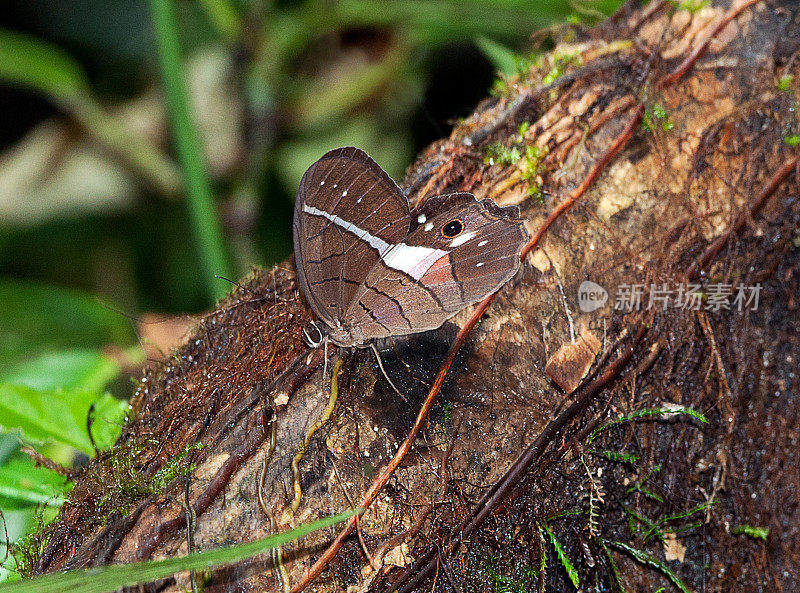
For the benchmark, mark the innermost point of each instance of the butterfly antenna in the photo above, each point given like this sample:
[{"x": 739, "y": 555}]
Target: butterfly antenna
[
  {"x": 383, "y": 370},
  {"x": 236, "y": 284}
]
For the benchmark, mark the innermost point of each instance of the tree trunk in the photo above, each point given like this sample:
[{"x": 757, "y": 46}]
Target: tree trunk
[{"x": 653, "y": 434}]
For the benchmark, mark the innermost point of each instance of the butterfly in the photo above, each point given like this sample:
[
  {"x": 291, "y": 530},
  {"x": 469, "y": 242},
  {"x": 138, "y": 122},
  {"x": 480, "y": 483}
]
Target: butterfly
[{"x": 371, "y": 267}]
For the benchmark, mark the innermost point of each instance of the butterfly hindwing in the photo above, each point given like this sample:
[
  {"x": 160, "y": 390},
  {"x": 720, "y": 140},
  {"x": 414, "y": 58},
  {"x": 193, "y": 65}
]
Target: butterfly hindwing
[{"x": 458, "y": 250}]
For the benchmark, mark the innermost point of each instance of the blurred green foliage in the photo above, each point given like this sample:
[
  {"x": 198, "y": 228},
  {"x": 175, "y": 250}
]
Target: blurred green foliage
[
  {"x": 95, "y": 198},
  {"x": 292, "y": 80}
]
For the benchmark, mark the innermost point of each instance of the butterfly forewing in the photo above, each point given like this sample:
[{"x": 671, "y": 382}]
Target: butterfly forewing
[
  {"x": 458, "y": 251},
  {"x": 347, "y": 214}
]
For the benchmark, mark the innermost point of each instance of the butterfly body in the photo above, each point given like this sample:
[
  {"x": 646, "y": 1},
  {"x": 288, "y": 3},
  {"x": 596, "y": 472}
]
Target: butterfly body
[{"x": 371, "y": 267}]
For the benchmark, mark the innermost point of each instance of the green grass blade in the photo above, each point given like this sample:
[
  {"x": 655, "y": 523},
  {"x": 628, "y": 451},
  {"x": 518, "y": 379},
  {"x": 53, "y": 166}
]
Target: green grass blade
[
  {"x": 564, "y": 559},
  {"x": 207, "y": 229},
  {"x": 644, "y": 558},
  {"x": 111, "y": 578}
]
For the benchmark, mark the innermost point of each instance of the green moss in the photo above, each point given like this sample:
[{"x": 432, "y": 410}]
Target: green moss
[
  {"x": 792, "y": 140},
  {"x": 177, "y": 466},
  {"x": 691, "y": 6},
  {"x": 529, "y": 171},
  {"x": 785, "y": 82},
  {"x": 560, "y": 65},
  {"x": 29, "y": 547},
  {"x": 447, "y": 410},
  {"x": 130, "y": 484},
  {"x": 751, "y": 531},
  {"x": 621, "y": 456},
  {"x": 656, "y": 117},
  {"x": 561, "y": 553},
  {"x": 508, "y": 584},
  {"x": 498, "y": 154}
]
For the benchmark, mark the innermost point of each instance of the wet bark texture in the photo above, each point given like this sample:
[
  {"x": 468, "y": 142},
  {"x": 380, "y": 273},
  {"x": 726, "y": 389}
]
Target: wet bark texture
[{"x": 704, "y": 191}]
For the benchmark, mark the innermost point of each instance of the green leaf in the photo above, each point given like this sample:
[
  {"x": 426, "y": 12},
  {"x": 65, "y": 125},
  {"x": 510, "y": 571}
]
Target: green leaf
[
  {"x": 621, "y": 456},
  {"x": 502, "y": 58},
  {"x": 78, "y": 368},
  {"x": 648, "y": 413},
  {"x": 224, "y": 17},
  {"x": 58, "y": 415},
  {"x": 22, "y": 484},
  {"x": 30, "y": 62},
  {"x": 111, "y": 578},
  {"x": 108, "y": 418},
  {"x": 37, "y": 317}
]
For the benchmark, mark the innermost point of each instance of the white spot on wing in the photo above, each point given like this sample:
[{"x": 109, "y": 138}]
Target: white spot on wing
[
  {"x": 461, "y": 239},
  {"x": 412, "y": 259},
  {"x": 344, "y": 193},
  {"x": 478, "y": 265},
  {"x": 429, "y": 226},
  {"x": 322, "y": 183},
  {"x": 482, "y": 243},
  {"x": 421, "y": 218},
  {"x": 334, "y": 185}
]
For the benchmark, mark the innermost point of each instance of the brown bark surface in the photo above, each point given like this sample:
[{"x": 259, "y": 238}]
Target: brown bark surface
[{"x": 705, "y": 190}]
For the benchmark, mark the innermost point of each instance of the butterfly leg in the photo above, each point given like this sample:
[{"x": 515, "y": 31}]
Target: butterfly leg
[{"x": 380, "y": 365}]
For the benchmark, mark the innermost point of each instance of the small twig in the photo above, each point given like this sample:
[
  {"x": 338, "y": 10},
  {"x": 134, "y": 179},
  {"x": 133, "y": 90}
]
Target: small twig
[
  {"x": 277, "y": 552},
  {"x": 40, "y": 459},
  {"x": 564, "y": 302},
  {"x": 700, "y": 49},
  {"x": 719, "y": 243},
  {"x": 447, "y": 572},
  {"x": 383, "y": 370},
  {"x": 190, "y": 524},
  {"x": 370, "y": 558},
  {"x": 89, "y": 423}
]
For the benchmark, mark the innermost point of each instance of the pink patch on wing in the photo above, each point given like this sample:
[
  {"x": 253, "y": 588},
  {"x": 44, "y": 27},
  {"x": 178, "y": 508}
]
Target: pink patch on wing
[{"x": 439, "y": 272}]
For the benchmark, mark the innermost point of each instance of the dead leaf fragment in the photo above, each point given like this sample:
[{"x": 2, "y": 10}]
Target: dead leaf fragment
[
  {"x": 673, "y": 548},
  {"x": 572, "y": 361}
]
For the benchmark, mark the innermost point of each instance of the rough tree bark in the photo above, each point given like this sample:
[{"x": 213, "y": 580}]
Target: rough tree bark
[{"x": 704, "y": 190}]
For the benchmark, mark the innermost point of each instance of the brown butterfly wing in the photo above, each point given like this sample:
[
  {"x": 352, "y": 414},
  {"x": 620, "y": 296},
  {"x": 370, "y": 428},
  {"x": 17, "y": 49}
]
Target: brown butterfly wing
[
  {"x": 431, "y": 275},
  {"x": 342, "y": 196}
]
